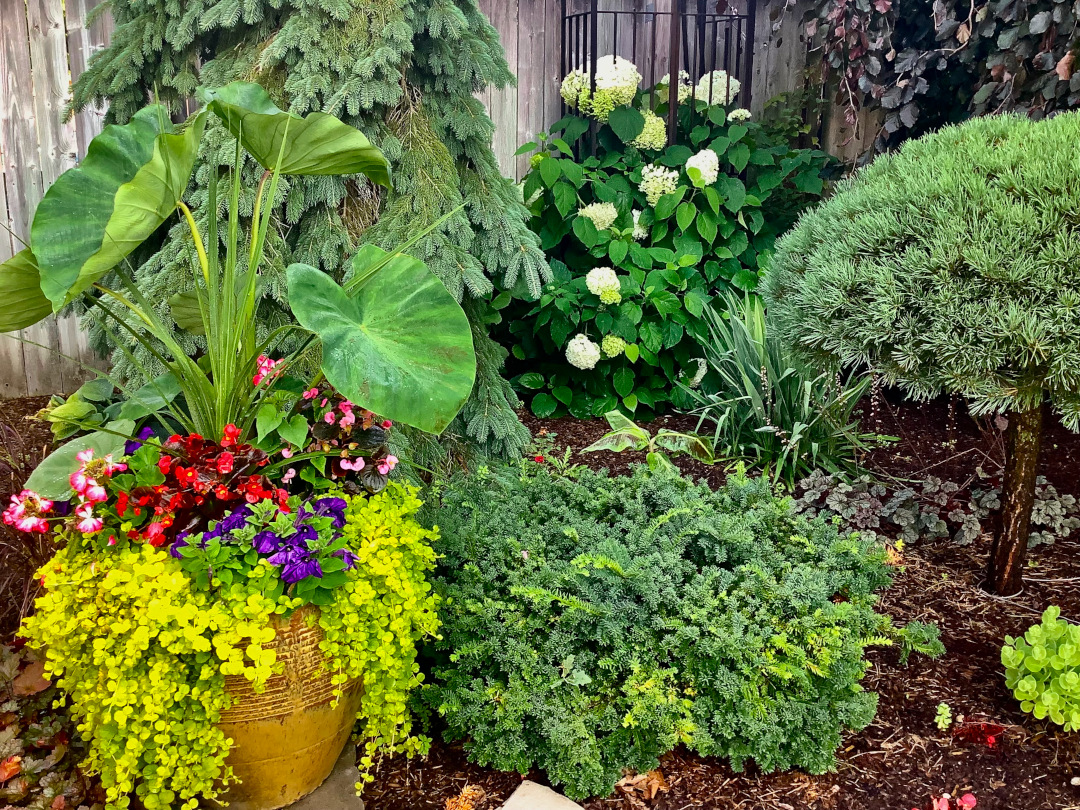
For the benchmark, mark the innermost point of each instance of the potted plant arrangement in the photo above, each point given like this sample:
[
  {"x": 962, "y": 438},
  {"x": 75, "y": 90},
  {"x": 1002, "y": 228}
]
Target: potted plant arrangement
[{"x": 236, "y": 570}]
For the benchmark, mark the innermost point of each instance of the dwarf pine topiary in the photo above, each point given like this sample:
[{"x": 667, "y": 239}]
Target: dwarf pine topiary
[
  {"x": 406, "y": 73},
  {"x": 953, "y": 266},
  {"x": 591, "y": 624}
]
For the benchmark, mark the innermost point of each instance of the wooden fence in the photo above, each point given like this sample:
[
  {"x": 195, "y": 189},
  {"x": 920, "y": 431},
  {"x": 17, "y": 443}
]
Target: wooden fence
[{"x": 44, "y": 46}]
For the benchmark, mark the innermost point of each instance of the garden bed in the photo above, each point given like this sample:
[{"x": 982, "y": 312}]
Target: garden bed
[{"x": 901, "y": 759}]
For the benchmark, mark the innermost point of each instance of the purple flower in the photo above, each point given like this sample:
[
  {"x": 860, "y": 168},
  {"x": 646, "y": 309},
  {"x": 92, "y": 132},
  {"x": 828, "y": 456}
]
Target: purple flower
[
  {"x": 304, "y": 536},
  {"x": 349, "y": 558},
  {"x": 181, "y": 542},
  {"x": 131, "y": 445},
  {"x": 285, "y": 556},
  {"x": 233, "y": 520},
  {"x": 331, "y": 508},
  {"x": 303, "y": 568},
  {"x": 266, "y": 542}
]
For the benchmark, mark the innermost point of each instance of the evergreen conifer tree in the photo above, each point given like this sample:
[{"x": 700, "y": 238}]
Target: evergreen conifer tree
[{"x": 406, "y": 73}]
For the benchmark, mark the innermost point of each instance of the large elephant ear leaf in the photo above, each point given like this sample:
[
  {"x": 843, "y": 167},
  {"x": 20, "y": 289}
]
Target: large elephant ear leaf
[
  {"x": 315, "y": 144},
  {"x": 401, "y": 347},
  {"x": 22, "y": 303},
  {"x": 94, "y": 215}
]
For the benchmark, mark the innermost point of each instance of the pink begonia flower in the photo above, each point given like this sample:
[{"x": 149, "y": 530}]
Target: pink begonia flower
[
  {"x": 387, "y": 424},
  {"x": 113, "y": 466},
  {"x": 348, "y": 420},
  {"x": 95, "y": 493},
  {"x": 112, "y": 539},
  {"x": 311, "y": 393},
  {"x": 26, "y": 511},
  {"x": 941, "y": 804},
  {"x": 356, "y": 465},
  {"x": 288, "y": 452},
  {"x": 86, "y": 455},
  {"x": 323, "y": 403},
  {"x": 346, "y": 406},
  {"x": 79, "y": 481},
  {"x": 88, "y": 524},
  {"x": 289, "y": 475},
  {"x": 329, "y": 418},
  {"x": 967, "y": 801}
]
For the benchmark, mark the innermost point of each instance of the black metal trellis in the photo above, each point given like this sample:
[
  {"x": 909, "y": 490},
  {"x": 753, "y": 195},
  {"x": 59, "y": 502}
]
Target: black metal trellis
[{"x": 702, "y": 36}]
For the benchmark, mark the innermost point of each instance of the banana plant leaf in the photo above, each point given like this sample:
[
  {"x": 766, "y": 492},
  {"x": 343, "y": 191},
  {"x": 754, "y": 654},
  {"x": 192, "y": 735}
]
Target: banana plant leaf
[
  {"x": 315, "y": 144},
  {"x": 23, "y": 302},
  {"x": 401, "y": 346},
  {"x": 94, "y": 215}
]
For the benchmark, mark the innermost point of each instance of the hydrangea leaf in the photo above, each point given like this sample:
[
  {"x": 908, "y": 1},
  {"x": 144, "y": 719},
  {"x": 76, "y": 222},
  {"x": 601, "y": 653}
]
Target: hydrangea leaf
[
  {"x": 401, "y": 346},
  {"x": 314, "y": 144},
  {"x": 95, "y": 214}
]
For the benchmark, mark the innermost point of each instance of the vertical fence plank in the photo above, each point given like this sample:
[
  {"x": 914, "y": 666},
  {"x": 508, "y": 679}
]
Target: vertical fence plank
[
  {"x": 23, "y": 182},
  {"x": 12, "y": 368},
  {"x": 533, "y": 68},
  {"x": 57, "y": 148},
  {"x": 503, "y": 106}
]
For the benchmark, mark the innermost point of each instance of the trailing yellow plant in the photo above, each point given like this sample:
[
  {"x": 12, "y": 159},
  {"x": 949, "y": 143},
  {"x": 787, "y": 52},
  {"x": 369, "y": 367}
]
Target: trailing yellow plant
[{"x": 142, "y": 651}]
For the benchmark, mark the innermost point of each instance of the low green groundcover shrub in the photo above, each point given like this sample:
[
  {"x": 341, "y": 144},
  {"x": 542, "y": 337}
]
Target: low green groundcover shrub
[{"x": 592, "y": 624}]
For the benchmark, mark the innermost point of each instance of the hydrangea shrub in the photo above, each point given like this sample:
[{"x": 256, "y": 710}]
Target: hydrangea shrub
[
  {"x": 950, "y": 266},
  {"x": 591, "y": 624},
  {"x": 641, "y": 237}
]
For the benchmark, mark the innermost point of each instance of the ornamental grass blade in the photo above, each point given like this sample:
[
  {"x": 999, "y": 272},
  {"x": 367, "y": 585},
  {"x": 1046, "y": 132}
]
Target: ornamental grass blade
[
  {"x": 316, "y": 144},
  {"x": 401, "y": 346},
  {"x": 97, "y": 213}
]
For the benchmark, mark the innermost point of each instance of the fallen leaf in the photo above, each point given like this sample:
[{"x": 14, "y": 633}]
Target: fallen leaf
[
  {"x": 59, "y": 803},
  {"x": 9, "y": 768},
  {"x": 31, "y": 680},
  {"x": 1064, "y": 67}
]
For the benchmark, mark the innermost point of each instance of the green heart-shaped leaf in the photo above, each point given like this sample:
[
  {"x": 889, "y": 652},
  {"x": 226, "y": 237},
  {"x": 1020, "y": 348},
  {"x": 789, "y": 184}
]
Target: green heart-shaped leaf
[
  {"x": 401, "y": 346},
  {"x": 20, "y": 290},
  {"x": 50, "y": 477},
  {"x": 94, "y": 215},
  {"x": 315, "y": 144}
]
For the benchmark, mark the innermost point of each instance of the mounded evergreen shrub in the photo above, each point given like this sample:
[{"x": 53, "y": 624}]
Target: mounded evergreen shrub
[
  {"x": 591, "y": 624},
  {"x": 952, "y": 266}
]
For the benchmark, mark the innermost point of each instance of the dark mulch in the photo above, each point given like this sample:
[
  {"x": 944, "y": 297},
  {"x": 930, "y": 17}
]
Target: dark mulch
[{"x": 901, "y": 760}]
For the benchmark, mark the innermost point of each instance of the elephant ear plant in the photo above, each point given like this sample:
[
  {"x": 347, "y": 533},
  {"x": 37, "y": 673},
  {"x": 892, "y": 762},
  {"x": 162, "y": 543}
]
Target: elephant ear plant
[{"x": 394, "y": 340}]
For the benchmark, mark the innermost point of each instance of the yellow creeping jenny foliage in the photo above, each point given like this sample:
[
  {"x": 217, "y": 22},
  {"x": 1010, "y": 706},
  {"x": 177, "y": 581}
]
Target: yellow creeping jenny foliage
[
  {"x": 378, "y": 616},
  {"x": 142, "y": 654}
]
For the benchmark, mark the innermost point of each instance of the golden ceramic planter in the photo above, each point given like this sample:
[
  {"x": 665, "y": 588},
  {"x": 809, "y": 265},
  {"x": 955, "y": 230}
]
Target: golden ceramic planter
[{"x": 287, "y": 738}]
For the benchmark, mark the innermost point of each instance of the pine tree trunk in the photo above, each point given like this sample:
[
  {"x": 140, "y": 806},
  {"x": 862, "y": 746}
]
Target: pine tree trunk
[{"x": 1007, "y": 555}]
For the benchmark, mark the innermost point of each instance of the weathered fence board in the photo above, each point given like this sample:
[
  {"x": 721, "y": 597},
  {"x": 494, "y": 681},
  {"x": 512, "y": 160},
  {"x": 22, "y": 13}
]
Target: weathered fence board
[{"x": 44, "y": 46}]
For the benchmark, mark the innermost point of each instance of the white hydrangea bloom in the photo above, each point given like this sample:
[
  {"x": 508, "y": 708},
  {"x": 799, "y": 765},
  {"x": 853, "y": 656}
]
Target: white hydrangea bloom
[
  {"x": 603, "y": 214},
  {"x": 656, "y": 181},
  {"x": 685, "y": 87},
  {"x": 603, "y": 281},
  {"x": 653, "y": 135},
  {"x": 582, "y": 353},
  {"x": 617, "y": 82},
  {"x": 706, "y": 162},
  {"x": 640, "y": 231},
  {"x": 693, "y": 380},
  {"x": 612, "y": 345},
  {"x": 575, "y": 89},
  {"x": 740, "y": 114},
  {"x": 717, "y": 87}
]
